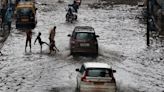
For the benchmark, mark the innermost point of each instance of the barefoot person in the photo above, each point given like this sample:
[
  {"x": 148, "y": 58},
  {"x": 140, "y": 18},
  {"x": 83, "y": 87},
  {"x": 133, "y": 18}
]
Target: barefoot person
[
  {"x": 28, "y": 39},
  {"x": 40, "y": 41},
  {"x": 52, "y": 40},
  {"x": 52, "y": 34}
]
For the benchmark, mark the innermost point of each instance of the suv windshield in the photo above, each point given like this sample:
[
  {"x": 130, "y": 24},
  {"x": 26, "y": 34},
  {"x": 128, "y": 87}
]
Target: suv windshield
[
  {"x": 24, "y": 11},
  {"x": 85, "y": 36},
  {"x": 102, "y": 72}
]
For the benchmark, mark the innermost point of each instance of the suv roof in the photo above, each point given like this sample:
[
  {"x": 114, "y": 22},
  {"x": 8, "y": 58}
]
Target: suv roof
[
  {"x": 84, "y": 29},
  {"x": 96, "y": 65}
]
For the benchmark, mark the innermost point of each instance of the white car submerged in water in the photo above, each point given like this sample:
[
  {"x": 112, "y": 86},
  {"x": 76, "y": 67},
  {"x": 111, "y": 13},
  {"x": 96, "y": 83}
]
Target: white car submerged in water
[{"x": 96, "y": 77}]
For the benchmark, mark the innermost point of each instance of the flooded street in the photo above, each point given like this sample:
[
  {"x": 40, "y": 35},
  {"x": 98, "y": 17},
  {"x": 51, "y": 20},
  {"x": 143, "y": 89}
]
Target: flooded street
[{"x": 121, "y": 44}]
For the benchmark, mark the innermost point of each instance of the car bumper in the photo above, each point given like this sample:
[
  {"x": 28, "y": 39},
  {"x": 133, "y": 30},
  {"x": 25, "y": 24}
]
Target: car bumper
[
  {"x": 91, "y": 87},
  {"x": 27, "y": 25},
  {"x": 85, "y": 50},
  {"x": 98, "y": 90}
]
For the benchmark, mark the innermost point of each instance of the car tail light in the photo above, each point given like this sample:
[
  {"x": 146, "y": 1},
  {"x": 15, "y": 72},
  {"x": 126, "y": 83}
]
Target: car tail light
[
  {"x": 72, "y": 42},
  {"x": 84, "y": 79}
]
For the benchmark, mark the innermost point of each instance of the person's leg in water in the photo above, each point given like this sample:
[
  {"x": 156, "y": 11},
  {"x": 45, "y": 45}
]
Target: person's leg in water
[
  {"x": 28, "y": 39},
  {"x": 30, "y": 44},
  {"x": 41, "y": 43},
  {"x": 26, "y": 44},
  {"x": 1, "y": 53},
  {"x": 56, "y": 49},
  {"x": 40, "y": 47},
  {"x": 51, "y": 47},
  {"x": 45, "y": 43},
  {"x": 9, "y": 25}
]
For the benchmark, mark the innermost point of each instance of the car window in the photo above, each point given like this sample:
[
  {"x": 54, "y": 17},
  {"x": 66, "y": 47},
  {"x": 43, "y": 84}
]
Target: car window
[
  {"x": 24, "y": 11},
  {"x": 74, "y": 34},
  {"x": 85, "y": 36},
  {"x": 82, "y": 69},
  {"x": 99, "y": 72}
]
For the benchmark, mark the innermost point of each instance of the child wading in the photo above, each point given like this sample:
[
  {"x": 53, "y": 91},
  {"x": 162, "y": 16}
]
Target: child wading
[{"x": 40, "y": 41}]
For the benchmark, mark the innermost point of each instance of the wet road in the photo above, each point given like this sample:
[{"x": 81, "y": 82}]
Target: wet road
[{"x": 121, "y": 37}]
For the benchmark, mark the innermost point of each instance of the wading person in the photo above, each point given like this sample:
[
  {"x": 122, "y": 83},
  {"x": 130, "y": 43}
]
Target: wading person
[
  {"x": 8, "y": 17},
  {"x": 40, "y": 41},
  {"x": 52, "y": 41},
  {"x": 28, "y": 39},
  {"x": 52, "y": 34},
  {"x": 52, "y": 47}
]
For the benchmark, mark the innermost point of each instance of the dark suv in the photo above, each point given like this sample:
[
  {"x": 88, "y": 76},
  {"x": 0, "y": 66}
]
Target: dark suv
[{"x": 83, "y": 40}]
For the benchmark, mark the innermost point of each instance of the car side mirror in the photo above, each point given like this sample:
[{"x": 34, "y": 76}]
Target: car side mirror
[
  {"x": 69, "y": 35},
  {"x": 97, "y": 36},
  {"x": 77, "y": 70},
  {"x": 114, "y": 71},
  {"x": 141, "y": 4}
]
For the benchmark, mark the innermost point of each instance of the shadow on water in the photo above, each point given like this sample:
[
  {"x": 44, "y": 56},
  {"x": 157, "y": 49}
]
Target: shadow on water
[{"x": 62, "y": 89}]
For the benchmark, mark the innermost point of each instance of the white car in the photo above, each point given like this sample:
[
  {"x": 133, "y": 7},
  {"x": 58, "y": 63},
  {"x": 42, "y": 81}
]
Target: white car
[{"x": 96, "y": 77}]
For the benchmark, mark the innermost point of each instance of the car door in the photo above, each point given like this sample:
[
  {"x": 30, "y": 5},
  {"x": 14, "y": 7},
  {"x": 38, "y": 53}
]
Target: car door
[{"x": 80, "y": 74}]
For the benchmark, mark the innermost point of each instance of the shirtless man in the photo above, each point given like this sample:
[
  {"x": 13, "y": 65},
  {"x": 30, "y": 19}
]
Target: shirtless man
[
  {"x": 52, "y": 41},
  {"x": 52, "y": 34}
]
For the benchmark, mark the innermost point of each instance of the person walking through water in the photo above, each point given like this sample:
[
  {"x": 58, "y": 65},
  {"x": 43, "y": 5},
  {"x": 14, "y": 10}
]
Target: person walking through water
[
  {"x": 28, "y": 39},
  {"x": 52, "y": 47},
  {"x": 52, "y": 34},
  {"x": 8, "y": 17},
  {"x": 40, "y": 41},
  {"x": 51, "y": 40}
]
